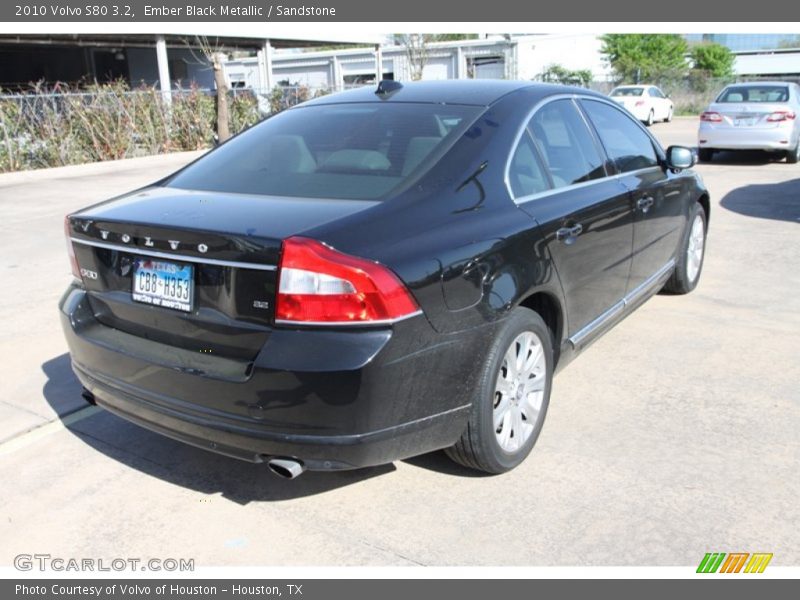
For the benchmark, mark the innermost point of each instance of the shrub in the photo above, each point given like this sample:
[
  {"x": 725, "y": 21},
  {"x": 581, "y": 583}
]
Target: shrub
[{"x": 48, "y": 127}]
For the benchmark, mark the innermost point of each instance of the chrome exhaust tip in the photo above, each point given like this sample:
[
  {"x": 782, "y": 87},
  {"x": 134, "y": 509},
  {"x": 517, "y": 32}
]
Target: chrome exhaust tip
[{"x": 288, "y": 468}]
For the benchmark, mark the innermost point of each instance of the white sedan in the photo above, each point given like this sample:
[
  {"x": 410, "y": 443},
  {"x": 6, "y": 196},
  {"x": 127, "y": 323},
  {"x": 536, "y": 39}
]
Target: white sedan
[
  {"x": 753, "y": 116},
  {"x": 645, "y": 102}
]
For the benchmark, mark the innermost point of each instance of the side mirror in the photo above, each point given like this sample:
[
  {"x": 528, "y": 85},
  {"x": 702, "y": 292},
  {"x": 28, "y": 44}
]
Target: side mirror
[{"x": 680, "y": 157}]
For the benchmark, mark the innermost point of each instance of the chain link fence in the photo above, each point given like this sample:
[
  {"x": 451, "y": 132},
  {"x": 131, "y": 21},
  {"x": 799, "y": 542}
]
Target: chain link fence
[
  {"x": 60, "y": 126},
  {"x": 690, "y": 95},
  {"x": 50, "y": 127}
]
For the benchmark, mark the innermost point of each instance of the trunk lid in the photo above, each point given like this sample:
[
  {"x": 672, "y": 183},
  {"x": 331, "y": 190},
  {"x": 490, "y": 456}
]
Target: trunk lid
[
  {"x": 226, "y": 247},
  {"x": 748, "y": 115}
]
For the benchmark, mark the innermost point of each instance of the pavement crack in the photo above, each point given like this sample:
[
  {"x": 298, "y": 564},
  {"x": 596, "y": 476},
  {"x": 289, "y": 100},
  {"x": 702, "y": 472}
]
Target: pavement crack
[{"x": 26, "y": 410}]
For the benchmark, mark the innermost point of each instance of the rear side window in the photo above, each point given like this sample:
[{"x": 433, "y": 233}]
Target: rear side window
[
  {"x": 525, "y": 173},
  {"x": 565, "y": 144},
  {"x": 755, "y": 93},
  {"x": 352, "y": 151},
  {"x": 624, "y": 140}
]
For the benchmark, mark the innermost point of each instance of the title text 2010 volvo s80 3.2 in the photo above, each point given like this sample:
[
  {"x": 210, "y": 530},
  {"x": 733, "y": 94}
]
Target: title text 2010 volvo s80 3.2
[{"x": 380, "y": 273}]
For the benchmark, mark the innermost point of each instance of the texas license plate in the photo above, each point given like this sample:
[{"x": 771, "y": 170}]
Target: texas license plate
[
  {"x": 744, "y": 122},
  {"x": 163, "y": 283}
]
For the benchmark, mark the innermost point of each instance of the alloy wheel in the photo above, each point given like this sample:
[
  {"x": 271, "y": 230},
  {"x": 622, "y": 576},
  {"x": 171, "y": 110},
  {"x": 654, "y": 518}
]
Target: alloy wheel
[
  {"x": 695, "y": 247},
  {"x": 519, "y": 391}
]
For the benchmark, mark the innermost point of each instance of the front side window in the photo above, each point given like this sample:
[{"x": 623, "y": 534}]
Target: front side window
[
  {"x": 349, "y": 151},
  {"x": 624, "y": 140},
  {"x": 566, "y": 144}
]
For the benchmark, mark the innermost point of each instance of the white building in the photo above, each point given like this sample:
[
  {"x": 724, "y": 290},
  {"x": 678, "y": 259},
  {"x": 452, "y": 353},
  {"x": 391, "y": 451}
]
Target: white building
[
  {"x": 168, "y": 60},
  {"x": 497, "y": 57},
  {"x": 777, "y": 64}
]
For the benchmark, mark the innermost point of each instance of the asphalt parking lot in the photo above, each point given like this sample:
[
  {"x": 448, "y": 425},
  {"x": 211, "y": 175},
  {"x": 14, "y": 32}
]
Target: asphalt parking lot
[{"x": 676, "y": 434}]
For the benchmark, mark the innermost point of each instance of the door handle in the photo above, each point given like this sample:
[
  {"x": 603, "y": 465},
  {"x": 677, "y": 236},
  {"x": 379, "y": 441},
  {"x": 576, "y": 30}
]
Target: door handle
[
  {"x": 568, "y": 234},
  {"x": 645, "y": 203}
]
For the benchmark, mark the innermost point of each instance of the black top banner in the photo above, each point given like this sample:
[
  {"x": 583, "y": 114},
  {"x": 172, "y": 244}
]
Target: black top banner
[{"x": 454, "y": 11}]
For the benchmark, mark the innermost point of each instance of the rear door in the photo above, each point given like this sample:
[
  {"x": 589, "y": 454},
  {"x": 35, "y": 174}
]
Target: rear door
[
  {"x": 660, "y": 104},
  {"x": 586, "y": 216},
  {"x": 657, "y": 196}
]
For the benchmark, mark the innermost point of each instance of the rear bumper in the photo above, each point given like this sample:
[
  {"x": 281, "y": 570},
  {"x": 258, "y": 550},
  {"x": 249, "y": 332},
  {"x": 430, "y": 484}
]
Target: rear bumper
[
  {"x": 333, "y": 400},
  {"x": 736, "y": 138}
]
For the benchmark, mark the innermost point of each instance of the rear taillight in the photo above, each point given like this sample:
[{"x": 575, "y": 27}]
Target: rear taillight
[
  {"x": 70, "y": 249},
  {"x": 710, "y": 116},
  {"x": 317, "y": 284},
  {"x": 781, "y": 115},
  {"x": 640, "y": 103}
]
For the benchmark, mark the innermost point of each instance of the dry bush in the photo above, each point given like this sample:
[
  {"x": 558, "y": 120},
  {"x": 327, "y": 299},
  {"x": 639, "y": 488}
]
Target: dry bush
[{"x": 48, "y": 127}]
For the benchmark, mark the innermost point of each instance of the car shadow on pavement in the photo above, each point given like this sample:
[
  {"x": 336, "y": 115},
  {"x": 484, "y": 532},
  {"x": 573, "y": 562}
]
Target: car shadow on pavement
[
  {"x": 184, "y": 465},
  {"x": 440, "y": 463},
  {"x": 745, "y": 157},
  {"x": 778, "y": 201}
]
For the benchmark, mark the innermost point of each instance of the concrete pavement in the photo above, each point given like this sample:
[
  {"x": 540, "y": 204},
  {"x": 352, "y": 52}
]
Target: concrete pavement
[{"x": 674, "y": 435}]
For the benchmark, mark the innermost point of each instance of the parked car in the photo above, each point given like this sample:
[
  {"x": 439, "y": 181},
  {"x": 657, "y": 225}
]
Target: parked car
[
  {"x": 646, "y": 102},
  {"x": 752, "y": 116},
  {"x": 373, "y": 275}
]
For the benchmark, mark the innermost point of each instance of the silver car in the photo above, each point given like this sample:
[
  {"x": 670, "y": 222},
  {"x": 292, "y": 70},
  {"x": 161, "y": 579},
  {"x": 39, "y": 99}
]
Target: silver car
[{"x": 752, "y": 116}]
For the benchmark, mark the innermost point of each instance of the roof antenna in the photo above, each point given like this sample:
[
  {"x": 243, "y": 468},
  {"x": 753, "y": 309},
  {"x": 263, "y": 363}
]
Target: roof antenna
[{"x": 387, "y": 87}]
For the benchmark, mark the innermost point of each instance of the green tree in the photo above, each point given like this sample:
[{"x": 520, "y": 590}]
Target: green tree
[
  {"x": 455, "y": 37},
  {"x": 560, "y": 74},
  {"x": 638, "y": 57},
  {"x": 713, "y": 59},
  {"x": 791, "y": 42}
]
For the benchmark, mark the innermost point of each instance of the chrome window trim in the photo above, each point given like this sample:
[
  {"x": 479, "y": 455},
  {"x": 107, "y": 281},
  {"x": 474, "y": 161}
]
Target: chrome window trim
[
  {"x": 175, "y": 257},
  {"x": 574, "y": 186},
  {"x": 551, "y": 191}
]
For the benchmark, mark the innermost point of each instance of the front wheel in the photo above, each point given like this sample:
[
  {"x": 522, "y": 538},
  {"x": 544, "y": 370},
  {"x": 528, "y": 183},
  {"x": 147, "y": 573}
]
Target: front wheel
[
  {"x": 511, "y": 396},
  {"x": 669, "y": 116},
  {"x": 690, "y": 258}
]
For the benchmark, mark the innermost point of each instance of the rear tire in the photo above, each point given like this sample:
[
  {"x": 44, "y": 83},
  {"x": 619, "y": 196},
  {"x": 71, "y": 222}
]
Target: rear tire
[
  {"x": 691, "y": 254},
  {"x": 511, "y": 397},
  {"x": 793, "y": 156},
  {"x": 650, "y": 119},
  {"x": 705, "y": 154}
]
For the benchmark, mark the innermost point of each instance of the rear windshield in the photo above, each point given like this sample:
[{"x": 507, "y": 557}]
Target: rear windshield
[
  {"x": 627, "y": 91},
  {"x": 353, "y": 151},
  {"x": 755, "y": 93}
]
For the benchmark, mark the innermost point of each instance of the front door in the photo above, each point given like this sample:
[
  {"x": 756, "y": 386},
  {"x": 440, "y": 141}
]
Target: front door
[
  {"x": 585, "y": 216},
  {"x": 656, "y": 195}
]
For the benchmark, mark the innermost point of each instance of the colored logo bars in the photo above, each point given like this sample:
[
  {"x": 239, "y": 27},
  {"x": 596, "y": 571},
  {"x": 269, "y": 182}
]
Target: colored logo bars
[{"x": 714, "y": 562}]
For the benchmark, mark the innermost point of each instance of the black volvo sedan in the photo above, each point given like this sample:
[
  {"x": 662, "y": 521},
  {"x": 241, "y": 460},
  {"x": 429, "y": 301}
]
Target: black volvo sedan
[{"x": 380, "y": 273}]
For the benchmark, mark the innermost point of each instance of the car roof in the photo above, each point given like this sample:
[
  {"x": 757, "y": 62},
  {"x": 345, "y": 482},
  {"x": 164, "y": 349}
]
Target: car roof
[
  {"x": 477, "y": 92},
  {"x": 766, "y": 83}
]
